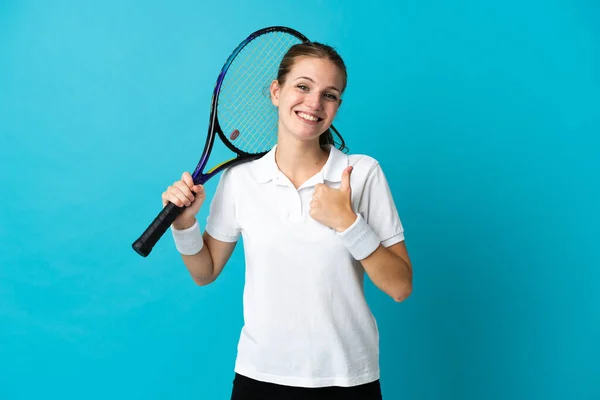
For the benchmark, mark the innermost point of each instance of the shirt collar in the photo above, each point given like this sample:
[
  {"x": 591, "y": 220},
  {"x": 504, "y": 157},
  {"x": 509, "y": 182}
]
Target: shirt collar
[{"x": 265, "y": 168}]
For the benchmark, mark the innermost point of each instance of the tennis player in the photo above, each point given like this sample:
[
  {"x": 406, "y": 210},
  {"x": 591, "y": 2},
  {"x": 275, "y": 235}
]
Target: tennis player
[{"x": 313, "y": 221}]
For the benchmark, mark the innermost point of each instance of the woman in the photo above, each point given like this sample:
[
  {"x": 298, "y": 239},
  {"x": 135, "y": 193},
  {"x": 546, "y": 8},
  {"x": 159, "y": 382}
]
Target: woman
[{"x": 313, "y": 220}]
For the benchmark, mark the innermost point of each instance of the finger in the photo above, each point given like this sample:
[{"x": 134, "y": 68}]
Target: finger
[
  {"x": 187, "y": 179},
  {"x": 185, "y": 190},
  {"x": 345, "y": 186},
  {"x": 180, "y": 191},
  {"x": 321, "y": 190},
  {"x": 174, "y": 195},
  {"x": 198, "y": 189}
]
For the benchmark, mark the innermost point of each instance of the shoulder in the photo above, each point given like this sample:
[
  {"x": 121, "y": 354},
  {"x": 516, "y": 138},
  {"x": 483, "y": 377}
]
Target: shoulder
[
  {"x": 363, "y": 165},
  {"x": 246, "y": 172},
  {"x": 367, "y": 174}
]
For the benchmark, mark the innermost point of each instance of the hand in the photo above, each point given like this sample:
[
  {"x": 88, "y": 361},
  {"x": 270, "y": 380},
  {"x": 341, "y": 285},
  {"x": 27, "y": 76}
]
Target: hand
[
  {"x": 333, "y": 207},
  {"x": 185, "y": 193}
]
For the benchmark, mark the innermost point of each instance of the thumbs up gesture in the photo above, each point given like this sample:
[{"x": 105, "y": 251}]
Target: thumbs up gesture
[{"x": 333, "y": 207}]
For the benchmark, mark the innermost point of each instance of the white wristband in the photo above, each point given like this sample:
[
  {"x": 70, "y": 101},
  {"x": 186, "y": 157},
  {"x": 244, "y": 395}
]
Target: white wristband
[
  {"x": 360, "y": 240},
  {"x": 188, "y": 241}
]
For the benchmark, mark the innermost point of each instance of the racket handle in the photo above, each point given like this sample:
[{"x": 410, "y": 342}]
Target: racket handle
[{"x": 144, "y": 244}]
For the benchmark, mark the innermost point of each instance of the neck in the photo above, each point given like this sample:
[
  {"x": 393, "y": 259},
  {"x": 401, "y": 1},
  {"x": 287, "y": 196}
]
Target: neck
[{"x": 300, "y": 160}]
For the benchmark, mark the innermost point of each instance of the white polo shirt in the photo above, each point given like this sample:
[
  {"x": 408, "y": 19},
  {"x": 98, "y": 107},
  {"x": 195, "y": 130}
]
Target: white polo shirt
[{"x": 306, "y": 320}]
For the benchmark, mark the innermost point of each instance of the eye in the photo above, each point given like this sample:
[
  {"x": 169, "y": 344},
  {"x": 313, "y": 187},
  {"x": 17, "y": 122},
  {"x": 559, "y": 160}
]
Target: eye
[
  {"x": 331, "y": 96},
  {"x": 302, "y": 87}
]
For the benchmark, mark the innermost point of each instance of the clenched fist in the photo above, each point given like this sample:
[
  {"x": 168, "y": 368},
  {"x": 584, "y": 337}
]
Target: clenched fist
[{"x": 184, "y": 193}]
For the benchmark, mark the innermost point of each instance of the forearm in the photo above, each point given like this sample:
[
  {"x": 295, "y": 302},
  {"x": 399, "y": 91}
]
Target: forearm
[
  {"x": 199, "y": 265},
  {"x": 389, "y": 268},
  {"x": 389, "y": 272}
]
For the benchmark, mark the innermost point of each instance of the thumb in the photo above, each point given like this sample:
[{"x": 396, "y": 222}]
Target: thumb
[{"x": 345, "y": 186}]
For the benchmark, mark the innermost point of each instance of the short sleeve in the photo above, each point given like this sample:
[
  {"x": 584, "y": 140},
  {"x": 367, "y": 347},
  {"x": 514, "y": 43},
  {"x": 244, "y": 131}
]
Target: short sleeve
[
  {"x": 379, "y": 210},
  {"x": 221, "y": 221}
]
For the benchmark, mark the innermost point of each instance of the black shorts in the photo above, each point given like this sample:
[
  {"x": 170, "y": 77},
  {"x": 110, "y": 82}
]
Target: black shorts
[{"x": 245, "y": 388}]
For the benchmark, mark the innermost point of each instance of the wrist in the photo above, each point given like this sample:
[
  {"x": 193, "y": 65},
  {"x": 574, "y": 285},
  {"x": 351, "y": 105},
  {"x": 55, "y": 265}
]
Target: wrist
[
  {"x": 188, "y": 241},
  {"x": 347, "y": 220},
  {"x": 184, "y": 224},
  {"x": 360, "y": 240}
]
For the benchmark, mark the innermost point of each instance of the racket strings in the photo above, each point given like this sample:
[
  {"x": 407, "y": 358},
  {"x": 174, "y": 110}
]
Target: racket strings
[
  {"x": 257, "y": 67},
  {"x": 244, "y": 98},
  {"x": 257, "y": 72},
  {"x": 254, "y": 61},
  {"x": 253, "y": 109}
]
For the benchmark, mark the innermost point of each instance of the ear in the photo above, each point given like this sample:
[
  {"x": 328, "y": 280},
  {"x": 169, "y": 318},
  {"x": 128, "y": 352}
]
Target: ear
[{"x": 274, "y": 90}]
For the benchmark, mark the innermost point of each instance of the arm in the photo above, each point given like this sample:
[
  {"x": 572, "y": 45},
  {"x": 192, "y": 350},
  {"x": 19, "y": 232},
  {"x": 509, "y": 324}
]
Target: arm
[
  {"x": 390, "y": 269},
  {"x": 203, "y": 255},
  {"x": 204, "y": 267}
]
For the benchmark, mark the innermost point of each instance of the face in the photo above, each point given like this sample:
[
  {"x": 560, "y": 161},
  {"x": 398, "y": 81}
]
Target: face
[{"x": 309, "y": 98}]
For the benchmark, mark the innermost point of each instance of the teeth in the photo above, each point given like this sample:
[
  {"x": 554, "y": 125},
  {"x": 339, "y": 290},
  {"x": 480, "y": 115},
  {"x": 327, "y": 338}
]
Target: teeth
[{"x": 308, "y": 117}]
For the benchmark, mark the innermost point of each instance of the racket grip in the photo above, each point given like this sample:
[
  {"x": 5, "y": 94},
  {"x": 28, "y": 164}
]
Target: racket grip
[{"x": 144, "y": 244}]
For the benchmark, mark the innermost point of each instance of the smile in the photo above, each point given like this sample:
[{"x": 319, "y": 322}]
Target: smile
[{"x": 308, "y": 117}]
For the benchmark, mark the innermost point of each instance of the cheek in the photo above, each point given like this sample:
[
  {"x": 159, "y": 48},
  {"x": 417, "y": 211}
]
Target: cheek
[
  {"x": 333, "y": 109},
  {"x": 291, "y": 98}
]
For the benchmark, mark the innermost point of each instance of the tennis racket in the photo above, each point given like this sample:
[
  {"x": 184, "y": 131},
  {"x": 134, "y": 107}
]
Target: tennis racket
[{"x": 241, "y": 115}]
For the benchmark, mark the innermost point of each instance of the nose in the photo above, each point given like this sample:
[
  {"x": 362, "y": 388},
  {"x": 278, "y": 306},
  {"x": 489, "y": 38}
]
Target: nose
[{"x": 314, "y": 101}]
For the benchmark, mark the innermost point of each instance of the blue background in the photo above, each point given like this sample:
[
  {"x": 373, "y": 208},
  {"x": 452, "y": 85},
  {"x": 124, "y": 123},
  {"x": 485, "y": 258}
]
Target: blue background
[{"x": 484, "y": 115}]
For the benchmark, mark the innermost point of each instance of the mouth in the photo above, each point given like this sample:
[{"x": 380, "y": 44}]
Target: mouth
[{"x": 307, "y": 117}]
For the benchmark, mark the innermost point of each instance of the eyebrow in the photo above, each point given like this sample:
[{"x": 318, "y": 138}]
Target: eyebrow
[{"x": 309, "y": 79}]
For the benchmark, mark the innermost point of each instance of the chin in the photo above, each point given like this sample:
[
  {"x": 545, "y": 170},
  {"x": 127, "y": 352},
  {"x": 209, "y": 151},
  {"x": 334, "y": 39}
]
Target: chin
[
  {"x": 304, "y": 133},
  {"x": 308, "y": 136}
]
